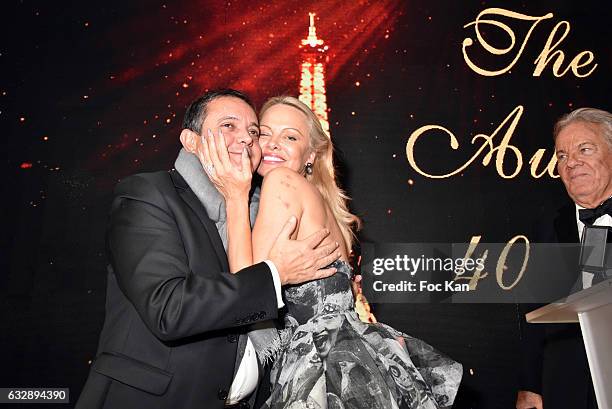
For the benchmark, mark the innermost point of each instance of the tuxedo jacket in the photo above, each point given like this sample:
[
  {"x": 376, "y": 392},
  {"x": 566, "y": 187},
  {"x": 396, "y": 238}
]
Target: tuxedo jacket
[
  {"x": 553, "y": 358},
  {"x": 173, "y": 311}
]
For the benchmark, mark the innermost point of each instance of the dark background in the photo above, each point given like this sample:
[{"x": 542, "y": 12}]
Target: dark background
[{"x": 90, "y": 93}]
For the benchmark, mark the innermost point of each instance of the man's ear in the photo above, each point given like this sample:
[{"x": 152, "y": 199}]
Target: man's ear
[{"x": 189, "y": 140}]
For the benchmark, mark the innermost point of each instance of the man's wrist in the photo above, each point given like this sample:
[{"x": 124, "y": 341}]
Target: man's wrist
[{"x": 277, "y": 283}]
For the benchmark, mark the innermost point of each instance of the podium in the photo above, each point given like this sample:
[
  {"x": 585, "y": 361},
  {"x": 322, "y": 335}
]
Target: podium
[{"x": 592, "y": 307}]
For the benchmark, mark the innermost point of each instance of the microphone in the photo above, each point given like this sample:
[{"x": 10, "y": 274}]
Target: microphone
[{"x": 594, "y": 255}]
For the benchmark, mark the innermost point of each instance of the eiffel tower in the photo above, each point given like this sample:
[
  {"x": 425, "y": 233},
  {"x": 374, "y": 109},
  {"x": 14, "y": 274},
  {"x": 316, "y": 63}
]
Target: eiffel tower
[{"x": 312, "y": 79}]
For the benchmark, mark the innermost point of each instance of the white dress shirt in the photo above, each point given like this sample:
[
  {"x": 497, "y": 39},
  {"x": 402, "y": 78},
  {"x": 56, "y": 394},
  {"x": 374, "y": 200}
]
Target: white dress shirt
[
  {"x": 247, "y": 376},
  {"x": 605, "y": 220}
]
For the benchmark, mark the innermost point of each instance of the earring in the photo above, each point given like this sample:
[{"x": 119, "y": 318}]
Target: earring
[{"x": 308, "y": 168}]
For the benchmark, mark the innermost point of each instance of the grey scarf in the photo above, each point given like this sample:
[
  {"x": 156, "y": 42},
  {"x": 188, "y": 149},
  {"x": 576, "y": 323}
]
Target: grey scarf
[{"x": 264, "y": 336}]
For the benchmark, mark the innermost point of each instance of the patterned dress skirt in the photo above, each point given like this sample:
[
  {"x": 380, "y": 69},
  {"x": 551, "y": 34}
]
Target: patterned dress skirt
[{"x": 331, "y": 359}]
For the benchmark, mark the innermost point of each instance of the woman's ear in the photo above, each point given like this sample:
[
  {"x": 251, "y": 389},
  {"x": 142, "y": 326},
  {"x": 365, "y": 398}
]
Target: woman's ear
[
  {"x": 311, "y": 157},
  {"x": 189, "y": 140}
]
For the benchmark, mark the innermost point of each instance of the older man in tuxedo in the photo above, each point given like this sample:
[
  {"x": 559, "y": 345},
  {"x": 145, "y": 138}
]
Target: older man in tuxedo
[
  {"x": 176, "y": 318},
  {"x": 555, "y": 372}
]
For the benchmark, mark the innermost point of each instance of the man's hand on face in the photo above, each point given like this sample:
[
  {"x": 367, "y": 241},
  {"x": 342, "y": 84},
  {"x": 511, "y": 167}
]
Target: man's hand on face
[
  {"x": 528, "y": 400},
  {"x": 230, "y": 180},
  {"x": 298, "y": 261}
]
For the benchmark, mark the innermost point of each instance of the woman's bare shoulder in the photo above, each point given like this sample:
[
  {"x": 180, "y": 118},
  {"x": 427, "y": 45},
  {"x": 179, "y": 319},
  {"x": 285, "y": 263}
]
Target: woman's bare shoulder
[
  {"x": 285, "y": 179},
  {"x": 292, "y": 185}
]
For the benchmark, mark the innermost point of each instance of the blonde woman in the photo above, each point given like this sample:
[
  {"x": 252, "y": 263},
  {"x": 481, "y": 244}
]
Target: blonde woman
[{"x": 328, "y": 357}]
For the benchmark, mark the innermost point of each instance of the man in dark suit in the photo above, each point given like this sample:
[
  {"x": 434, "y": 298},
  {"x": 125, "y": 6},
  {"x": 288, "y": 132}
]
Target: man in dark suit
[
  {"x": 554, "y": 370},
  {"x": 174, "y": 312}
]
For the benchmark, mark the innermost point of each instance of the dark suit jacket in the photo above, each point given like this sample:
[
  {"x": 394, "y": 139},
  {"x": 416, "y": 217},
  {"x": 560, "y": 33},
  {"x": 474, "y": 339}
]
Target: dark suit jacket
[
  {"x": 554, "y": 362},
  {"x": 173, "y": 313}
]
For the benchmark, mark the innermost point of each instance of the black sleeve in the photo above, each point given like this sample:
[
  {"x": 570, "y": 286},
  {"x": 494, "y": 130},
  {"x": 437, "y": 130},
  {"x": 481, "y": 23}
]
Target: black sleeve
[
  {"x": 146, "y": 252},
  {"x": 532, "y": 338}
]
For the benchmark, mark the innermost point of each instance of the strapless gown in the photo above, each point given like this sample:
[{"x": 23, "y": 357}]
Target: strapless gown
[{"x": 331, "y": 359}]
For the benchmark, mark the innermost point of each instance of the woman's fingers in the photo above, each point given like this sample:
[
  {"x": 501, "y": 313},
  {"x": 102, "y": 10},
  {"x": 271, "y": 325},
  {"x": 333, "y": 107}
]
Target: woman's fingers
[
  {"x": 205, "y": 159},
  {"x": 246, "y": 163},
  {"x": 225, "y": 175},
  {"x": 222, "y": 152},
  {"x": 287, "y": 229},
  {"x": 213, "y": 149}
]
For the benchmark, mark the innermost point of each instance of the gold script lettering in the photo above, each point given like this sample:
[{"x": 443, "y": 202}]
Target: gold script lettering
[
  {"x": 473, "y": 280},
  {"x": 549, "y": 52},
  {"x": 501, "y": 261},
  {"x": 504, "y": 145},
  {"x": 550, "y": 169},
  {"x": 453, "y": 143},
  {"x": 467, "y": 42},
  {"x": 500, "y": 151},
  {"x": 545, "y": 56}
]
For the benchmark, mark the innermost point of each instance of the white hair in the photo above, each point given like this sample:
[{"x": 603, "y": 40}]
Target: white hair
[{"x": 590, "y": 115}]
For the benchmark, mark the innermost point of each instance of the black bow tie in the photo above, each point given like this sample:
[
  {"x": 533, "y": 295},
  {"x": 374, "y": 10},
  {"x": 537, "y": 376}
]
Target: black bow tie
[{"x": 588, "y": 216}]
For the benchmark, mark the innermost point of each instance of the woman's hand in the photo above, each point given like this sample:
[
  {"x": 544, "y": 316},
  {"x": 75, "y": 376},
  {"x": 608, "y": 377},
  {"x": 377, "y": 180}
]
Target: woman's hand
[
  {"x": 362, "y": 306},
  {"x": 232, "y": 182}
]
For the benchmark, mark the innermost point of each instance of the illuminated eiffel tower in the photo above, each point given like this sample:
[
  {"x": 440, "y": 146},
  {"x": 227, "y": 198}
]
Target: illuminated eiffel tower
[{"x": 312, "y": 80}]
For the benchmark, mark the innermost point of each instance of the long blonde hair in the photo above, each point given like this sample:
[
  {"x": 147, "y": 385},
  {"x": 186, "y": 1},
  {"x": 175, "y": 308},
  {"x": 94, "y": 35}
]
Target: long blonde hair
[{"x": 323, "y": 171}]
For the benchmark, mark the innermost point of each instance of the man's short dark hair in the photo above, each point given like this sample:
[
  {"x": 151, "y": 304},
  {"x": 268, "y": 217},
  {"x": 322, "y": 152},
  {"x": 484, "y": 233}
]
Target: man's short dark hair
[{"x": 196, "y": 112}]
